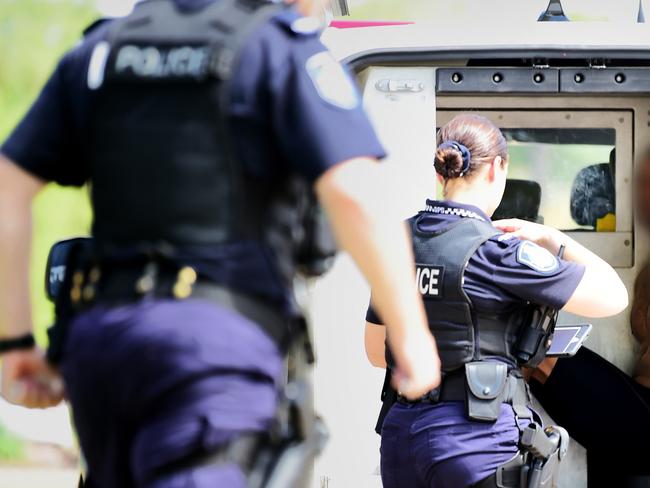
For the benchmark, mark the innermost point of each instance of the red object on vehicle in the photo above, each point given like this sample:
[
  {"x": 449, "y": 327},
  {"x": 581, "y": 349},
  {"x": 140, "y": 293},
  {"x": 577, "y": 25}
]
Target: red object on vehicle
[{"x": 354, "y": 24}]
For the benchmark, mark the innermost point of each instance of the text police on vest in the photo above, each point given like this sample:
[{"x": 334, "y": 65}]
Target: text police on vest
[
  {"x": 428, "y": 280},
  {"x": 155, "y": 62}
]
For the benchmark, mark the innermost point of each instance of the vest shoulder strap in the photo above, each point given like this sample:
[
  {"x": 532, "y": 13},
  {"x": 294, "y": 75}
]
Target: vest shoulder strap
[{"x": 450, "y": 250}]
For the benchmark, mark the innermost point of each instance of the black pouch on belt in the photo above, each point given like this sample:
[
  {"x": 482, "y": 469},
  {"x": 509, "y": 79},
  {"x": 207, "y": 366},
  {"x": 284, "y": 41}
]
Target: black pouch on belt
[
  {"x": 486, "y": 389},
  {"x": 64, "y": 274}
]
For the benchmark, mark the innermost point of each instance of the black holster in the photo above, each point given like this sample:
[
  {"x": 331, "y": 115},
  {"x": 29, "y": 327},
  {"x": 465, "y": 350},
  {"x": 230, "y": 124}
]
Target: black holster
[{"x": 65, "y": 274}]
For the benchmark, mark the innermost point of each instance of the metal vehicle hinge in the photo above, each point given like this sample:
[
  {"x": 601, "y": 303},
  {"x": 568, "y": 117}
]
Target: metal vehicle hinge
[
  {"x": 541, "y": 63},
  {"x": 399, "y": 86},
  {"x": 597, "y": 63}
]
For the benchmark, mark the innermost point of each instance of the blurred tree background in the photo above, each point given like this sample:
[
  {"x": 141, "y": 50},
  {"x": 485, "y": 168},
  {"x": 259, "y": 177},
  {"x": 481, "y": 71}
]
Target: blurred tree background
[{"x": 33, "y": 36}]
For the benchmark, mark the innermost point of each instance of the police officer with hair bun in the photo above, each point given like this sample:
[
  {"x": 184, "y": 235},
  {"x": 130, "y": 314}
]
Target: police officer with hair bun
[
  {"x": 482, "y": 283},
  {"x": 206, "y": 129}
]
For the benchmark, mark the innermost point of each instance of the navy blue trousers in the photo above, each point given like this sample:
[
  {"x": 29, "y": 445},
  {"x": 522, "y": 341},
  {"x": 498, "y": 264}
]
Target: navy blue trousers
[
  {"x": 436, "y": 446},
  {"x": 160, "y": 381}
]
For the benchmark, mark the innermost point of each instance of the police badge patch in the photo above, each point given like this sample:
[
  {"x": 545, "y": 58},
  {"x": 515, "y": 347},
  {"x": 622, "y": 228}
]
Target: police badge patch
[
  {"x": 331, "y": 81},
  {"x": 537, "y": 258}
]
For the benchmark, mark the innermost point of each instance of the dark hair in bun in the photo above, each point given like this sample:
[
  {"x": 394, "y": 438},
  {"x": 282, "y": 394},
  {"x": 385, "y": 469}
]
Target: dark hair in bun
[{"x": 465, "y": 142}]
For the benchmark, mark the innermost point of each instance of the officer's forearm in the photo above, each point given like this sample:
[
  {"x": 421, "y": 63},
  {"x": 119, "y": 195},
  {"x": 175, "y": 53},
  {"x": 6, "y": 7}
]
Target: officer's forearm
[
  {"x": 16, "y": 192},
  {"x": 573, "y": 250},
  {"x": 601, "y": 292},
  {"x": 378, "y": 243}
]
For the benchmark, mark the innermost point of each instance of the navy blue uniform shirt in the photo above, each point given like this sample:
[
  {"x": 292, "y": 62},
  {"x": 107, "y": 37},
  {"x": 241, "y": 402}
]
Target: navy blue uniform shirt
[
  {"x": 505, "y": 272},
  {"x": 293, "y": 109}
]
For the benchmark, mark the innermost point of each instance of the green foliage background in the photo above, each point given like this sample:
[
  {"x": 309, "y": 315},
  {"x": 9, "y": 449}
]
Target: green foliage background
[{"x": 33, "y": 36}]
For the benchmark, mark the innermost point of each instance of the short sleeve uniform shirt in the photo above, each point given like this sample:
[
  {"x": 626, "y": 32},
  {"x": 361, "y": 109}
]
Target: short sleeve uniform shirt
[{"x": 293, "y": 109}]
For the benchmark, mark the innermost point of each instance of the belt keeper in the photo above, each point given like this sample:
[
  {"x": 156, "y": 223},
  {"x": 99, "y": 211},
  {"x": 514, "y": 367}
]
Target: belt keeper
[
  {"x": 147, "y": 281},
  {"x": 184, "y": 282},
  {"x": 75, "y": 291}
]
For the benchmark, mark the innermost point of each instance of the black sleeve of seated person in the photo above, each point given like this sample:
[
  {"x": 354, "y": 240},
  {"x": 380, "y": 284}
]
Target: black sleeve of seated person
[{"x": 603, "y": 409}]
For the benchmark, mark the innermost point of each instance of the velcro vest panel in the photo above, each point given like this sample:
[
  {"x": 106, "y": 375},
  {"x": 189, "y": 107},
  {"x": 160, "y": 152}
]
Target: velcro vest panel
[
  {"x": 163, "y": 171},
  {"x": 462, "y": 335}
]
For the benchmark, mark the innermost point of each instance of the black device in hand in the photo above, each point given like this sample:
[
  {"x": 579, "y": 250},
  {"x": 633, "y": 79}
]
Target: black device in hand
[{"x": 568, "y": 339}]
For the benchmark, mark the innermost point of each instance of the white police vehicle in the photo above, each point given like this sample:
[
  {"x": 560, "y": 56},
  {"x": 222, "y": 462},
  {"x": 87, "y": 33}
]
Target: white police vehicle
[{"x": 574, "y": 101}]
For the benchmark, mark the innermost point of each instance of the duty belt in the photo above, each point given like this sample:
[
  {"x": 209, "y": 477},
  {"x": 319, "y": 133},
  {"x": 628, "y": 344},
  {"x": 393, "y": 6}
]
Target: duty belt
[
  {"x": 119, "y": 285},
  {"x": 454, "y": 388}
]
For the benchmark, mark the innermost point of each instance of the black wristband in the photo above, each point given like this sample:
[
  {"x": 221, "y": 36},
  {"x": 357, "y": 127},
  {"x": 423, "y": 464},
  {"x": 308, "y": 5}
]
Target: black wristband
[{"x": 18, "y": 343}]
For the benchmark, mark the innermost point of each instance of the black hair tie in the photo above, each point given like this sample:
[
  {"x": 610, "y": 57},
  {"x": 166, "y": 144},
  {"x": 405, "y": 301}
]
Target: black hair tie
[{"x": 465, "y": 153}]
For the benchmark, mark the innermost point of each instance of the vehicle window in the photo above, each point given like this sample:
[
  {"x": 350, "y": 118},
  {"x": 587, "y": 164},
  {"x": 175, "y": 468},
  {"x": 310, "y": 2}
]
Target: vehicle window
[
  {"x": 568, "y": 169},
  {"x": 575, "y": 171},
  {"x": 564, "y": 177}
]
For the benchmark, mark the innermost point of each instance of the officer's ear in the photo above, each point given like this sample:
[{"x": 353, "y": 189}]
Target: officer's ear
[
  {"x": 497, "y": 167},
  {"x": 505, "y": 164},
  {"x": 441, "y": 180}
]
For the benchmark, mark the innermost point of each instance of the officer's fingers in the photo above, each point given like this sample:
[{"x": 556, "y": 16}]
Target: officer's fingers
[
  {"x": 51, "y": 387},
  {"x": 507, "y": 225},
  {"x": 32, "y": 393},
  {"x": 38, "y": 395},
  {"x": 16, "y": 392},
  {"x": 56, "y": 389},
  {"x": 398, "y": 379},
  {"x": 412, "y": 390},
  {"x": 35, "y": 396},
  {"x": 413, "y": 387},
  {"x": 23, "y": 364}
]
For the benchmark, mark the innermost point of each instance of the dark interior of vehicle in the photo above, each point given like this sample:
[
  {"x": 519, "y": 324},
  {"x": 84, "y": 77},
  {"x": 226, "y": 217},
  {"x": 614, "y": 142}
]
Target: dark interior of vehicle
[{"x": 521, "y": 200}]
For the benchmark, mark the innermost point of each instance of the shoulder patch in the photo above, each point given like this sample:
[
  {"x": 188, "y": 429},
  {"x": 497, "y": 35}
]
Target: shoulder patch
[
  {"x": 332, "y": 82},
  {"x": 536, "y": 257}
]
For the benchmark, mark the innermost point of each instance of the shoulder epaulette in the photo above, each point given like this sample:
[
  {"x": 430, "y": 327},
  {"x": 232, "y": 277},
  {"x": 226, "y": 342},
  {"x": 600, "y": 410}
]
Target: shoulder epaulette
[{"x": 95, "y": 25}]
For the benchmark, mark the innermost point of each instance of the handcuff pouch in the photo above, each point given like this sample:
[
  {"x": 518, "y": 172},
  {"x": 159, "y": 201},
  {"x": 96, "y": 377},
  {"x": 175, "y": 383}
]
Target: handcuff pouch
[{"x": 486, "y": 389}]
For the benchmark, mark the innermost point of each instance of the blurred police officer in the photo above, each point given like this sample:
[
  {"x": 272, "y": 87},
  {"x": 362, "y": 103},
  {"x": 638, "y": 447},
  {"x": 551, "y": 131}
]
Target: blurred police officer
[{"x": 192, "y": 120}]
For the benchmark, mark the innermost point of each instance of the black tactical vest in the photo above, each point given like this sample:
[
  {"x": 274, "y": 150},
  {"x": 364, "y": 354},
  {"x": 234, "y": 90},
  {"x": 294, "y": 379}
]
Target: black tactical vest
[
  {"x": 462, "y": 334},
  {"x": 163, "y": 170}
]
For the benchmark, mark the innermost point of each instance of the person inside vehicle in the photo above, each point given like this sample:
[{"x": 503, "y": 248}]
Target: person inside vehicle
[
  {"x": 477, "y": 279},
  {"x": 617, "y": 420}
]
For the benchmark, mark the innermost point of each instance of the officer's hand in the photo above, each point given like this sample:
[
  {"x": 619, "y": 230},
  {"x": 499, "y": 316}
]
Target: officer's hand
[
  {"x": 546, "y": 237},
  {"x": 29, "y": 381},
  {"x": 418, "y": 365}
]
